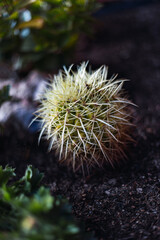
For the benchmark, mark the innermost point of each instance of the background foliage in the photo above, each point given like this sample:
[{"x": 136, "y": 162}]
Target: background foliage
[
  {"x": 30, "y": 212},
  {"x": 38, "y": 33}
]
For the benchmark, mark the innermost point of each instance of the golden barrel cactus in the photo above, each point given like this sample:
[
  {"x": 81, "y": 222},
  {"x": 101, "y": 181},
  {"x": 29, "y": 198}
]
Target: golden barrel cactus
[{"x": 85, "y": 117}]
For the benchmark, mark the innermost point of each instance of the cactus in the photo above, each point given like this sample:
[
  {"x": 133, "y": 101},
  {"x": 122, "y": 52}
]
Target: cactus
[{"x": 85, "y": 117}]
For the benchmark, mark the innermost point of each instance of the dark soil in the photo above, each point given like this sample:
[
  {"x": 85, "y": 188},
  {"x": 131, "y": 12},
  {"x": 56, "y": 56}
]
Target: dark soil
[{"x": 123, "y": 203}]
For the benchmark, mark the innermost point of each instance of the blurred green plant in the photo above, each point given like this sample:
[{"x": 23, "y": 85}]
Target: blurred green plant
[
  {"x": 4, "y": 94},
  {"x": 38, "y": 33},
  {"x": 30, "y": 212}
]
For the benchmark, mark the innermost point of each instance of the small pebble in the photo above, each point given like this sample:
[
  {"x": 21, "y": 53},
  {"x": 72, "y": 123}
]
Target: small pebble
[
  {"x": 139, "y": 190},
  {"x": 107, "y": 193},
  {"x": 112, "y": 181}
]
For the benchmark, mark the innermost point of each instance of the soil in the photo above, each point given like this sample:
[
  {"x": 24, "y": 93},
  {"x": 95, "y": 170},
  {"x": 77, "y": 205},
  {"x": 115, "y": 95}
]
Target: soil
[{"x": 121, "y": 203}]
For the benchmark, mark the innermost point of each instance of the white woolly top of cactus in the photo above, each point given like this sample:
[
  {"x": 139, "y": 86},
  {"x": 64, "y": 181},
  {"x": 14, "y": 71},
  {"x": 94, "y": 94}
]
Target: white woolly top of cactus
[{"x": 85, "y": 117}]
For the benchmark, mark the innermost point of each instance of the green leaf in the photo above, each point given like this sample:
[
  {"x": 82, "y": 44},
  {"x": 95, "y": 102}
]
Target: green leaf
[
  {"x": 30, "y": 182},
  {"x": 55, "y": 25},
  {"x": 34, "y": 23},
  {"x": 5, "y": 175},
  {"x": 34, "y": 215},
  {"x": 4, "y": 94},
  {"x": 41, "y": 201},
  {"x": 13, "y": 16},
  {"x": 19, "y": 4}
]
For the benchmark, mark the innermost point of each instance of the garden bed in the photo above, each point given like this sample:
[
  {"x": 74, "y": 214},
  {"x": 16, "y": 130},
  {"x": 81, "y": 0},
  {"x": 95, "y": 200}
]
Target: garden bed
[{"x": 123, "y": 203}]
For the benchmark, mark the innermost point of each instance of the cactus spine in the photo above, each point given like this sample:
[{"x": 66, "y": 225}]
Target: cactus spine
[{"x": 85, "y": 117}]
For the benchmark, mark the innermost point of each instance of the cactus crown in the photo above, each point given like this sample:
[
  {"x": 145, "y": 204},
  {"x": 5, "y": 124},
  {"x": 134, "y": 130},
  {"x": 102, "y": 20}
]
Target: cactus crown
[{"x": 85, "y": 117}]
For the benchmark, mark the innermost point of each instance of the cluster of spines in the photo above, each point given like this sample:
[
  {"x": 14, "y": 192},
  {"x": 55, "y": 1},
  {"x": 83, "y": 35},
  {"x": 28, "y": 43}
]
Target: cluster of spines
[{"x": 85, "y": 117}]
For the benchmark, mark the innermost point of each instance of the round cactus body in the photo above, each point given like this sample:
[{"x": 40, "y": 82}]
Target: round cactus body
[{"x": 85, "y": 117}]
